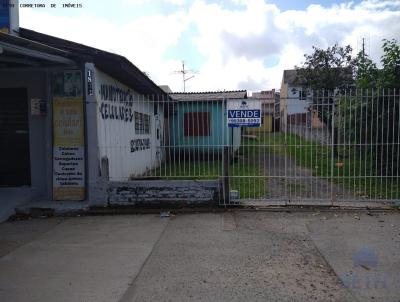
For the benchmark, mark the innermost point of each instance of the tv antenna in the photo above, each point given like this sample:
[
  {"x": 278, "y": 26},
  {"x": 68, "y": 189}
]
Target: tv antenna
[
  {"x": 184, "y": 73},
  {"x": 361, "y": 45}
]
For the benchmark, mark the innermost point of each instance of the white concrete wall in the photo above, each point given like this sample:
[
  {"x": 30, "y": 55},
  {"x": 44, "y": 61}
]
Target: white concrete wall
[
  {"x": 115, "y": 135},
  {"x": 294, "y": 104}
]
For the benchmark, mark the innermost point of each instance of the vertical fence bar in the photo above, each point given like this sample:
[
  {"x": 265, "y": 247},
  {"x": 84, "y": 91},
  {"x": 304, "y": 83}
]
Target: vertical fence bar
[
  {"x": 287, "y": 199},
  {"x": 332, "y": 149},
  {"x": 392, "y": 138},
  {"x": 397, "y": 101},
  {"x": 371, "y": 172},
  {"x": 365, "y": 140},
  {"x": 387, "y": 143},
  {"x": 382, "y": 141}
]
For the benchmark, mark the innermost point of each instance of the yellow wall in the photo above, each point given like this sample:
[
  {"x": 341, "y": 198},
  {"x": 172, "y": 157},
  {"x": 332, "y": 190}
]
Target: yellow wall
[{"x": 265, "y": 127}]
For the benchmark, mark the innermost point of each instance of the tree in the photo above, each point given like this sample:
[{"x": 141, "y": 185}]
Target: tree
[
  {"x": 324, "y": 73},
  {"x": 371, "y": 104},
  {"x": 390, "y": 75},
  {"x": 327, "y": 69},
  {"x": 366, "y": 72}
]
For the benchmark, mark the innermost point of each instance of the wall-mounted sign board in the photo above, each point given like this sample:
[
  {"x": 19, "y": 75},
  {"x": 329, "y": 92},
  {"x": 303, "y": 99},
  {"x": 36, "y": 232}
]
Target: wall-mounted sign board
[
  {"x": 68, "y": 137},
  {"x": 244, "y": 113},
  {"x": 4, "y": 17}
]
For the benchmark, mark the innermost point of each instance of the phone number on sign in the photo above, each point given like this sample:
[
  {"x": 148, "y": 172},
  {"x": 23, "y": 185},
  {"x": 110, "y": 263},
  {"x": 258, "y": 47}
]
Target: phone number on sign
[{"x": 244, "y": 120}]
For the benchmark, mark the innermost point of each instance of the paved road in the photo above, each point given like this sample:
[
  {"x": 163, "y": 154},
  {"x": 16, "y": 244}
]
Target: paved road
[{"x": 231, "y": 256}]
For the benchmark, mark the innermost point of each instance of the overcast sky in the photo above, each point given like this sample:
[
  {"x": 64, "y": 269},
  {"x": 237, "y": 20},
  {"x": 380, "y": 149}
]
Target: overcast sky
[{"x": 231, "y": 44}]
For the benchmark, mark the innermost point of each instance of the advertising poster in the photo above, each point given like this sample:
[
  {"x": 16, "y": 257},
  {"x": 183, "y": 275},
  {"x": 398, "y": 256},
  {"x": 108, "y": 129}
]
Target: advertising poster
[
  {"x": 4, "y": 18},
  {"x": 68, "y": 146}
]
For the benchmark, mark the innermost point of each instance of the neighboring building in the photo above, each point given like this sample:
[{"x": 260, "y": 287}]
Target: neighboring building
[
  {"x": 298, "y": 113},
  {"x": 199, "y": 122},
  {"x": 269, "y": 101},
  {"x": 293, "y": 98},
  {"x": 72, "y": 118},
  {"x": 277, "y": 111},
  {"x": 296, "y": 103}
]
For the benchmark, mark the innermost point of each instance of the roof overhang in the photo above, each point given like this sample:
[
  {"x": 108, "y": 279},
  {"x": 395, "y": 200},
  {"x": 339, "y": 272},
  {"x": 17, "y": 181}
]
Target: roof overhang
[
  {"x": 20, "y": 52},
  {"x": 118, "y": 67}
]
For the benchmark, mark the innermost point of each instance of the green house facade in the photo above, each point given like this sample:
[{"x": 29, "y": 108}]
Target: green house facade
[{"x": 199, "y": 122}]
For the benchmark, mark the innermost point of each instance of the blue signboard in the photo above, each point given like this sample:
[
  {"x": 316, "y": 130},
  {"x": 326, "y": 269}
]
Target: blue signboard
[
  {"x": 244, "y": 113},
  {"x": 4, "y": 18}
]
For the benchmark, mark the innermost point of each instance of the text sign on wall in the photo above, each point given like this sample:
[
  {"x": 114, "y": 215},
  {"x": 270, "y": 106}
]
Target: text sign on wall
[
  {"x": 244, "y": 113},
  {"x": 4, "y": 17},
  {"x": 68, "y": 141}
]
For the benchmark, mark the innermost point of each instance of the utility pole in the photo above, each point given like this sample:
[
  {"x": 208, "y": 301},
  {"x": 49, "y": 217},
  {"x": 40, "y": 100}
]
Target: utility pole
[
  {"x": 363, "y": 48},
  {"x": 184, "y": 72}
]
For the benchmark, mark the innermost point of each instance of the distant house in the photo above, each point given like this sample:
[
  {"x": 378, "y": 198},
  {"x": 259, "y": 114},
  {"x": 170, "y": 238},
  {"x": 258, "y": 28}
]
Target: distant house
[
  {"x": 297, "y": 112},
  {"x": 199, "y": 122},
  {"x": 293, "y": 98},
  {"x": 269, "y": 100}
]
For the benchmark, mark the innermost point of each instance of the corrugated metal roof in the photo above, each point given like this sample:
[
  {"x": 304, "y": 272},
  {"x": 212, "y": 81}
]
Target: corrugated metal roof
[
  {"x": 209, "y": 95},
  {"x": 266, "y": 96},
  {"x": 115, "y": 65}
]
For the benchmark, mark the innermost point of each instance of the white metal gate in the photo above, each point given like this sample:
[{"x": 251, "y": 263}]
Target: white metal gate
[
  {"x": 316, "y": 148},
  {"x": 331, "y": 148}
]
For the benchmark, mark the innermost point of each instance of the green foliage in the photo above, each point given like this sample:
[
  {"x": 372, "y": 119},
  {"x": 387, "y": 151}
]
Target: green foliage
[
  {"x": 327, "y": 69},
  {"x": 390, "y": 75},
  {"x": 369, "y": 122},
  {"x": 366, "y": 72},
  {"x": 370, "y": 113},
  {"x": 334, "y": 68}
]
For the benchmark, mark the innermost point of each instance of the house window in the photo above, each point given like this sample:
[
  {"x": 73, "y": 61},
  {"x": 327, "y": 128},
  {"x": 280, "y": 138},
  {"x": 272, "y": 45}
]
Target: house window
[
  {"x": 142, "y": 123},
  {"x": 196, "y": 124},
  {"x": 302, "y": 95}
]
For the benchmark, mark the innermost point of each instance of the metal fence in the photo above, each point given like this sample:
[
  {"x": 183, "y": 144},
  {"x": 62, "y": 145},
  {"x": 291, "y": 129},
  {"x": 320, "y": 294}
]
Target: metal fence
[{"x": 342, "y": 146}]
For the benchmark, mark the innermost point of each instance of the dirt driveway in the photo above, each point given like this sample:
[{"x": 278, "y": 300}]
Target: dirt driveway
[{"x": 292, "y": 182}]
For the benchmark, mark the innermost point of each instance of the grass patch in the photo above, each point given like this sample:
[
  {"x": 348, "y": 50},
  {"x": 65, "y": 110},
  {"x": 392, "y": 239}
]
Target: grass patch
[
  {"x": 245, "y": 177},
  {"x": 295, "y": 187},
  {"x": 248, "y": 180},
  {"x": 350, "y": 168}
]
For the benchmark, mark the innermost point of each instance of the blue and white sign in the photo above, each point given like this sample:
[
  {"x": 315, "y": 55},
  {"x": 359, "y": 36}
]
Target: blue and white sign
[
  {"x": 4, "y": 17},
  {"x": 244, "y": 113}
]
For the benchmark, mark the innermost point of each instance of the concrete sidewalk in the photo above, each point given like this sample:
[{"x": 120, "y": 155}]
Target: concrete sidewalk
[
  {"x": 364, "y": 251},
  {"x": 231, "y": 256}
]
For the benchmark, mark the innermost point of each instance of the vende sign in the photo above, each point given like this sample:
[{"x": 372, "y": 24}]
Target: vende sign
[
  {"x": 244, "y": 113},
  {"x": 5, "y": 17}
]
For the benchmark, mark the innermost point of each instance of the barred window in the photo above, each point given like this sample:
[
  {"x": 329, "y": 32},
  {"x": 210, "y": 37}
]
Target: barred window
[{"x": 142, "y": 123}]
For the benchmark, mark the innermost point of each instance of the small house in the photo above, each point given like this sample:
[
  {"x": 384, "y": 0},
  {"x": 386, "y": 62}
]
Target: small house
[
  {"x": 268, "y": 100},
  {"x": 199, "y": 122}
]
